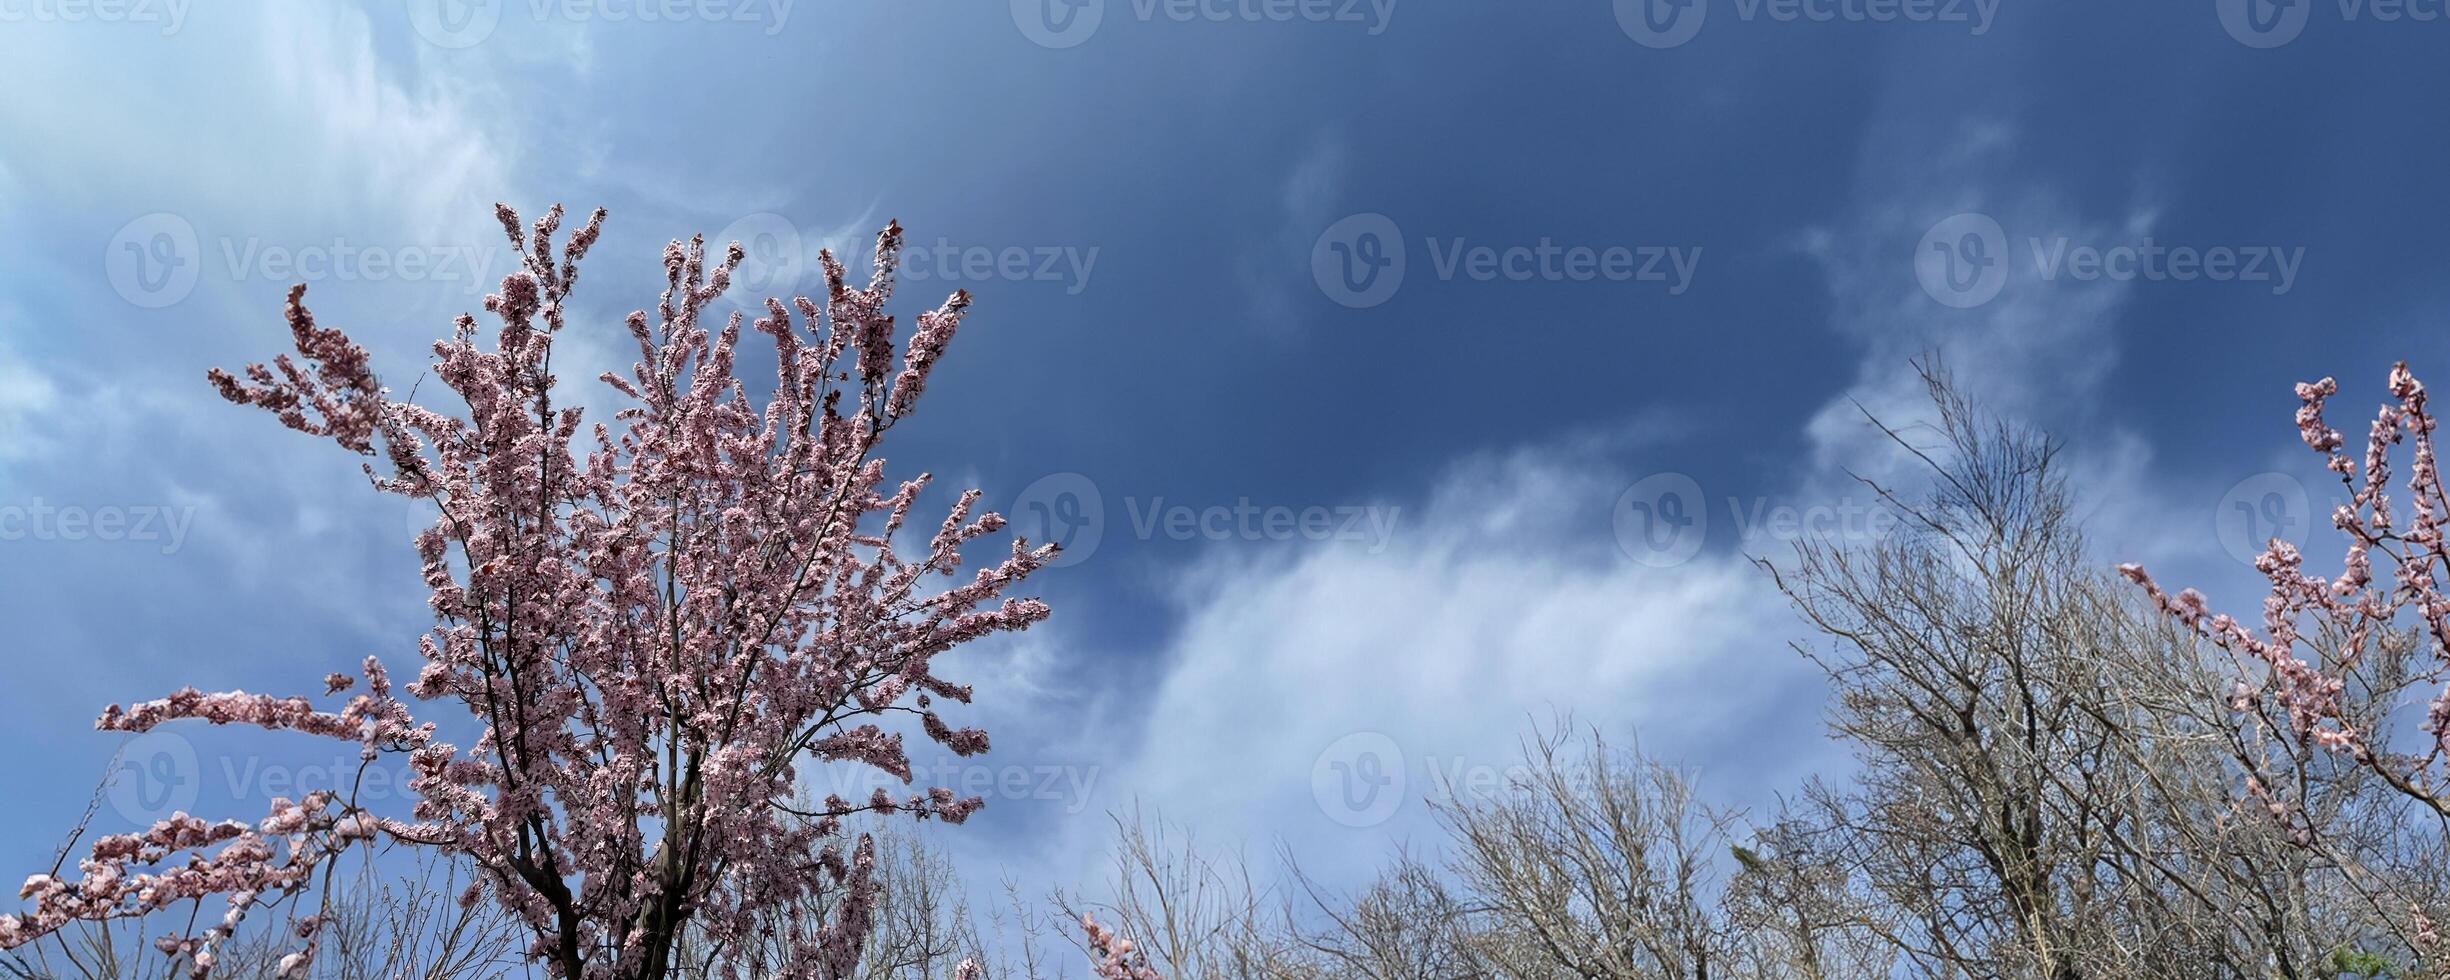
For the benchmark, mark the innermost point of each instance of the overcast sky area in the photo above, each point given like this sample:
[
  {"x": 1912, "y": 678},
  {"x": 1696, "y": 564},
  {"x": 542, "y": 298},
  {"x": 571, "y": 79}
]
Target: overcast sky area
[{"x": 1397, "y": 373}]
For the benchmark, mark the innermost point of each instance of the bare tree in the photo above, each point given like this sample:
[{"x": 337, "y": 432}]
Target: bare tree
[
  {"x": 923, "y": 925},
  {"x": 1794, "y": 912},
  {"x": 1592, "y": 863},
  {"x": 1408, "y": 923},
  {"x": 1198, "y": 916},
  {"x": 2048, "y": 788}
]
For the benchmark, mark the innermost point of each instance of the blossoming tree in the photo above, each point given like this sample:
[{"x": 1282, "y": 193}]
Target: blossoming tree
[
  {"x": 2336, "y": 658},
  {"x": 653, "y": 623}
]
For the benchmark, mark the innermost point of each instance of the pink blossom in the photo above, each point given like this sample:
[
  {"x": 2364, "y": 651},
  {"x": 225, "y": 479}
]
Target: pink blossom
[
  {"x": 2316, "y": 631},
  {"x": 652, "y": 622}
]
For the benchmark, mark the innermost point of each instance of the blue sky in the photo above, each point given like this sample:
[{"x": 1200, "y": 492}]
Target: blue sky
[{"x": 1343, "y": 511}]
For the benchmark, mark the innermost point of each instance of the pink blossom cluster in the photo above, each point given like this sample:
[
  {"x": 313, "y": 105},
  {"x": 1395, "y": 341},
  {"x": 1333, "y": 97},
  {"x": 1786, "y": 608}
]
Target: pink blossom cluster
[
  {"x": 2316, "y": 630},
  {"x": 184, "y": 859},
  {"x": 1115, "y": 957},
  {"x": 653, "y": 622}
]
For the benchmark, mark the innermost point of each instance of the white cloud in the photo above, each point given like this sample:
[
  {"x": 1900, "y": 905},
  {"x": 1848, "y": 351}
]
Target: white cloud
[
  {"x": 1502, "y": 604},
  {"x": 1505, "y": 600}
]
